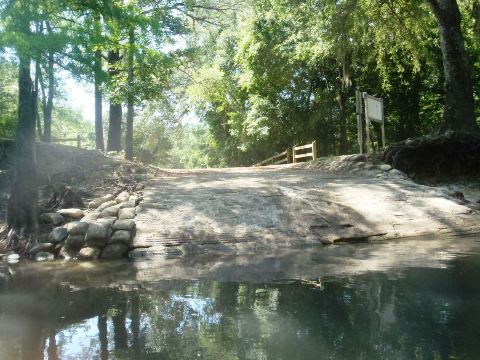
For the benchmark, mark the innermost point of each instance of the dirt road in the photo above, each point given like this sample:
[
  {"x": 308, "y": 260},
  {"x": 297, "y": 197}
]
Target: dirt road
[{"x": 243, "y": 210}]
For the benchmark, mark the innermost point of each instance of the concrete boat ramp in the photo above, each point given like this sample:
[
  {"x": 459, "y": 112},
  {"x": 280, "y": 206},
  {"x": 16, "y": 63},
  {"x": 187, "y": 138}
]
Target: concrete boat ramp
[{"x": 246, "y": 210}]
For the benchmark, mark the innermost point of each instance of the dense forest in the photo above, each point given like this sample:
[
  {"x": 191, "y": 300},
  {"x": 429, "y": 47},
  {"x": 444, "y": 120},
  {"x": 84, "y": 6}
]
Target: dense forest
[{"x": 204, "y": 83}]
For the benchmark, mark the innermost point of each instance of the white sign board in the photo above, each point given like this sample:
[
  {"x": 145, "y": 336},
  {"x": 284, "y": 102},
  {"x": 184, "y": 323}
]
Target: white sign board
[{"x": 374, "y": 108}]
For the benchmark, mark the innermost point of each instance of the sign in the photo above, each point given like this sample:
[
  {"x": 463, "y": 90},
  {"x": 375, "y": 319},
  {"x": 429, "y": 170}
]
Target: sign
[
  {"x": 374, "y": 108},
  {"x": 373, "y": 112}
]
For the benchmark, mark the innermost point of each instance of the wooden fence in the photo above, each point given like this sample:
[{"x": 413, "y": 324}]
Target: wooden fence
[
  {"x": 78, "y": 139},
  {"x": 299, "y": 154},
  {"x": 288, "y": 156}
]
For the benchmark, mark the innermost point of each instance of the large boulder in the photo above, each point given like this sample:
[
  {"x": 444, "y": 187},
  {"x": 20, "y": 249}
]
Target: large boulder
[
  {"x": 44, "y": 256},
  {"x": 77, "y": 228},
  {"x": 121, "y": 236},
  {"x": 52, "y": 218},
  {"x": 42, "y": 247},
  {"x": 114, "y": 251},
  {"x": 111, "y": 211},
  {"x": 58, "y": 234},
  {"x": 126, "y": 224},
  {"x": 73, "y": 213},
  {"x": 106, "y": 205},
  {"x": 67, "y": 253},
  {"x": 126, "y": 213},
  {"x": 97, "y": 235},
  {"x": 122, "y": 197},
  {"x": 89, "y": 253},
  {"x": 75, "y": 241},
  {"x": 93, "y": 216},
  {"x": 97, "y": 202}
]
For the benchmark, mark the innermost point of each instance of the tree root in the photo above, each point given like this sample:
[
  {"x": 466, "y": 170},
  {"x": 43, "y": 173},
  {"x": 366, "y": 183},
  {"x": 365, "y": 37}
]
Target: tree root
[{"x": 447, "y": 156}]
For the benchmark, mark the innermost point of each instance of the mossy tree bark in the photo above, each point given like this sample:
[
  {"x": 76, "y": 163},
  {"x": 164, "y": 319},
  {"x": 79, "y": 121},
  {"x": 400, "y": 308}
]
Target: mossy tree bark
[
  {"x": 114, "y": 142},
  {"x": 459, "y": 114},
  {"x": 22, "y": 204},
  {"x": 130, "y": 97}
]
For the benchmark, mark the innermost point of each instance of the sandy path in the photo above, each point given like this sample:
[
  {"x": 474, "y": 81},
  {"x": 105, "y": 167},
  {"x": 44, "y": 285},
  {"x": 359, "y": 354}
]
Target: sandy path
[{"x": 242, "y": 210}]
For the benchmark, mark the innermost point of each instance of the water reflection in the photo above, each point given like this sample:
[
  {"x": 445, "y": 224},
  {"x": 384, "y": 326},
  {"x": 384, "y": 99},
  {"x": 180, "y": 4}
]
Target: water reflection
[{"x": 397, "y": 313}]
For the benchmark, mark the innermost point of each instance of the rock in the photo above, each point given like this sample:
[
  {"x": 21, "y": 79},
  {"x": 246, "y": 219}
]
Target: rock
[
  {"x": 67, "y": 253},
  {"x": 91, "y": 217},
  {"x": 106, "y": 205},
  {"x": 124, "y": 225},
  {"x": 396, "y": 172},
  {"x": 58, "y": 247},
  {"x": 58, "y": 234},
  {"x": 122, "y": 197},
  {"x": 133, "y": 199},
  {"x": 89, "y": 253},
  {"x": 127, "y": 204},
  {"x": 12, "y": 258},
  {"x": 126, "y": 213},
  {"x": 359, "y": 157},
  {"x": 368, "y": 166},
  {"x": 120, "y": 236},
  {"x": 44, "y": 256},
  {"x": 108, "y": 221},
  {"x": 75, "y": 241},
  {"x": 71, "y": 213},
  {"x": 77, "y": 228},
  {"x": 114, "y": 251},
  {"x": 97, "y": 202},
  {"x": 96, "y": 231},
  {"x": 111, "y": 211},
  {"x": 52, "y": 218},
  {"x": 42, "y": 247},
  {"x": 385, "y": 167}
]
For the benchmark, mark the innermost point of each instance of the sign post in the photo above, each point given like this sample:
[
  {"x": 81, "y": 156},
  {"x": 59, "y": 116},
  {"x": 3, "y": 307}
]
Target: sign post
[
  {"x": 359, "y": 112},
  {"x": 373, "y": 112}
]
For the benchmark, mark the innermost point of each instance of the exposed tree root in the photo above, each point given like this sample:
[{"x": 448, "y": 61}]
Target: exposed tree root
[
  {"x": 448, "y": 156},
  {"x": 63, "y": 197}
]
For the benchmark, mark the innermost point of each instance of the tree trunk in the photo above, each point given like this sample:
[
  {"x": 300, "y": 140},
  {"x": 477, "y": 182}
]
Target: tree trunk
[
  {"x": 459, "y": 114},
  {"x": 35, "y": 105},
  {"x": 22, "y": 204},
  {"x": 130, "y": 99},
  {"x": 99, "y": 142},
  {"x": 115, "y": 117},
  {"x": 342, "y": 104},
  {"x": 47, "y": 99}
]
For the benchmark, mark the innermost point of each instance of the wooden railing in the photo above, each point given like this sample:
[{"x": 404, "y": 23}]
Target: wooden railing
[
  {"x": 277, "y": 159},
  {"x": 313, "y": 151},
  {"x": 78, "y": 139},
  {"x": 287, "y": 155}
]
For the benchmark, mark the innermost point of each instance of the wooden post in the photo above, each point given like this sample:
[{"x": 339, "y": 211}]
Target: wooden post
[
  {"x": 288, "y": 155},
  {"x": 314, "y": 149},
  {"x": 383, "y": 126},
  {"x": 79, "y": 141},
  {"x": 293, "y": 155}
]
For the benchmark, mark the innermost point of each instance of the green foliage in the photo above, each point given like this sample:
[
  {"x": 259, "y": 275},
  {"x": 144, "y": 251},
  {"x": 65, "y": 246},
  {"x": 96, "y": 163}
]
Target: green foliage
[{"x": 8, "y": 98}]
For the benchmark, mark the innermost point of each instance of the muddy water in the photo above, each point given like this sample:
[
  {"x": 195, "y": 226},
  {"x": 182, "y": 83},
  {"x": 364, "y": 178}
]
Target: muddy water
[{"x": 414, "y": 299}]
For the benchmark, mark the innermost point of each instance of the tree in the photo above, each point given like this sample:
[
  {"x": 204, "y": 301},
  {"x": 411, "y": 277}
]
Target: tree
[
  {"x": 22, "y": 203},
  {"x": 459, "y": 112}
]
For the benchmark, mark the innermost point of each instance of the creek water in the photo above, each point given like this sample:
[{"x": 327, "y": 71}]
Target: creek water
[{"x": 411, "y": 299}]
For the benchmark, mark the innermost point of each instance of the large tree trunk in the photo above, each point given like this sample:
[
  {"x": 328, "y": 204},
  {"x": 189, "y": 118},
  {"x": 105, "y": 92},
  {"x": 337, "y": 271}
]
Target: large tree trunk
[
  {"x": 99, "y": 142},
  {"x": 47, "y": 99},
  {"x": 130, "y": 100},
  {"x": 35, "y": 105},
  {"x": 22, "y": 204},
  {"x": 459, "y": 114},
  {"x": 115, "y": 117}
]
